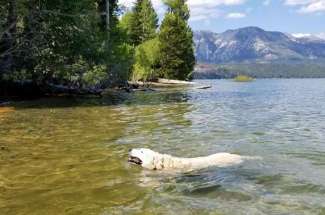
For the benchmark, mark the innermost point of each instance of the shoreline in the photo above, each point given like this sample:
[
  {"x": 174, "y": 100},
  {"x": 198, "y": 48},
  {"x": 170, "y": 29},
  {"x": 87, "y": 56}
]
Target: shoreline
[
  {"x": 24, "y": 92},
  {"x": 165, "y": 83}
]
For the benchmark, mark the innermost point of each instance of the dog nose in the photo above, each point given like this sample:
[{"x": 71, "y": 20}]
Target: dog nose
[{"x": 130, "y": 150}]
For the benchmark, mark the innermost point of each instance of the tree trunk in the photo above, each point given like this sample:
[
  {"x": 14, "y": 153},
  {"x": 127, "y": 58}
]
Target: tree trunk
[
  {"x": 33, "y": 39},
  {"x": 107, "y": 18},
  {"x": 103, "y": 10},
  {"x": 107, "y": 32}
]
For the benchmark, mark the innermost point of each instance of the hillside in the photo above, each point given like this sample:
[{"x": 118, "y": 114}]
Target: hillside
[
  {"x": 260, "y": 70},
  {"x": 255, "y": 45}
]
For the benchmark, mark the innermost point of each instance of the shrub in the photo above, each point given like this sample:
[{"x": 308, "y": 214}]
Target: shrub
[
  {"x": 243, "y": 78},
  {"x": 146, "y": 63}
]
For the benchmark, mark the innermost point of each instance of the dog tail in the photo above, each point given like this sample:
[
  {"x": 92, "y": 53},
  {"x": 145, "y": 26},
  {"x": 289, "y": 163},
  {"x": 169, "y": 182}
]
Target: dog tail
[{"x": 251, "y": 158}]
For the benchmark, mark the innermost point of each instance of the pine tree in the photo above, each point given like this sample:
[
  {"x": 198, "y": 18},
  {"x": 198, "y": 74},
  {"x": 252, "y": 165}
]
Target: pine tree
[
  {"x": 144, "y": 22},
  {"x": 179, "y": 8},
  {"x": 176, "y": 42}
]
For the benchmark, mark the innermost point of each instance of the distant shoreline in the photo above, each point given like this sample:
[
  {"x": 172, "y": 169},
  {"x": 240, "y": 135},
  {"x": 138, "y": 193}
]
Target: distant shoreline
[{"x": 259, "y": 70}]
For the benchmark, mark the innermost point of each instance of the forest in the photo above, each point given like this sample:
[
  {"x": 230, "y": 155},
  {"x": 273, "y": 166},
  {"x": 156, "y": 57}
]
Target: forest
[
  {"x": 86, "y": 46},
  {"x": 260, "y": 70}
]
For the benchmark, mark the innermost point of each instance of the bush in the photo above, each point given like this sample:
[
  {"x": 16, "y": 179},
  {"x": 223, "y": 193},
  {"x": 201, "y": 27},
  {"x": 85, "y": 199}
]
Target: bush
[
  {"x": 94, "y": 77},
  {"x": 146, "y": 63},
  {"x": 243, "y": 78},
  {"x": 123, "y": 59}
]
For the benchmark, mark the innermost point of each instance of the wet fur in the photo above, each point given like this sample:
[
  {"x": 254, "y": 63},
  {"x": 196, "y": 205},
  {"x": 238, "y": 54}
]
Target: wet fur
[{"x": 156, "y": 161}]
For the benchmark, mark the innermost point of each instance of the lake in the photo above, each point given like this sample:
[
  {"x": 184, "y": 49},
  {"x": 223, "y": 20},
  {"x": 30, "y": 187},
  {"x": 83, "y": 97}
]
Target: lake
[{"x": 69, "y": 155}]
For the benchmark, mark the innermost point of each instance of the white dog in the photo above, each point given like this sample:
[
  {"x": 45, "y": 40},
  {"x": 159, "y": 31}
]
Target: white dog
[{"x": 155, "y": 161}]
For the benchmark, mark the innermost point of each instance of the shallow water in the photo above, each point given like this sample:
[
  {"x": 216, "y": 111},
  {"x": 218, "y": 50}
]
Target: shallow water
[{"x": 70, "y": 158}]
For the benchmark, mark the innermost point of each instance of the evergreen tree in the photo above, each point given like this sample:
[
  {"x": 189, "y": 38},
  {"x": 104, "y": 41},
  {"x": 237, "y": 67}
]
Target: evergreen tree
[
  {"x": 144, "y": 22},
  {"x": 125, "y": 26},
  {"x": 149, "y": 20},
  {"x": 179, "y": 8},
  {"x": 176, "y": 42},
  {"x": 135, "y": 23}
]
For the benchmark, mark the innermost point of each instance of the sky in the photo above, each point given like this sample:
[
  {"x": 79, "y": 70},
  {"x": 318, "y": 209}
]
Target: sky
[{"x": 299, "y": 17}]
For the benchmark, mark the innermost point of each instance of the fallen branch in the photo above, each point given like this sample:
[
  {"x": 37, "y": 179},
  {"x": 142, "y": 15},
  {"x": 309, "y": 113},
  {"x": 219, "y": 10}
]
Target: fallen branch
[
  {"x": 170, "y": 81},
  {"x": 203, "y": 87},
  {"x": 167, "y": 83}
]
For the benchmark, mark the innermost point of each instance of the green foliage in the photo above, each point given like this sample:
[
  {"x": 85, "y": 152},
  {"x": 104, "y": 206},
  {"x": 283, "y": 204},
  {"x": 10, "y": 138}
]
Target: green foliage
[
  {"x": 72, "y": 39},
  {"x": 113, "y": 13},
  {"x": 17, "y": 76},
  {"x": 146, "y": 61},
  {"x": 179, "y": 8},
  {"x": 143, "y": 23},
  {"x": 122, "y": 62},
  {"x": 139, "y": 27},
  {"x": 243, "y": 78},
  {"x": 95, "y": 76},
  {"x": 125, "y": 26},
  {"x": 149, "y": 21},
  {"x": 3, "y": 13},
  {"x": 75, "y": 44},
  {"x": 64, "y": 42},
  {"x": 261, "y": 70},
  {"x": 176, "y": 48}
]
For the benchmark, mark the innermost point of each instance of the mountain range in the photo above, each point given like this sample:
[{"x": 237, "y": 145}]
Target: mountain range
[{"x": 255, "y": 45}]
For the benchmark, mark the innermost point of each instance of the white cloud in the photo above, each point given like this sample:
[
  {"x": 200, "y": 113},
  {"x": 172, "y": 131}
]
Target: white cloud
[
  {"x": 297, "y": 2},
  {"x": 321, "y": 35},
  {"x": 235, "y": 15},
  {"x": 213, "y": 3},
  {"x": 301, "y": 35},
  {"x": 308, "y": 35},
  {"x": 266, "y": 2},
  {"x": 200, "y": 9},
  {"x": 307, "y": 6},
  {"x": 157, "y": 4},
  {"x": 130, "y": 3},
  {"x": 208, "y": 9},
  {"x": 191, "y": 3},
  {"x": 318, "y": 6},
  {"x": 201, "y": 13}
]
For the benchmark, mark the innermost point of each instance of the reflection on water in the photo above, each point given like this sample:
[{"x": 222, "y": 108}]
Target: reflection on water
[{"x": 68, "y": 155}]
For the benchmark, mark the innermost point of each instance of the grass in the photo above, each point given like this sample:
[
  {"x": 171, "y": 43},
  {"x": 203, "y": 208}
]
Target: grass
[{"x": 243, "y": 78}]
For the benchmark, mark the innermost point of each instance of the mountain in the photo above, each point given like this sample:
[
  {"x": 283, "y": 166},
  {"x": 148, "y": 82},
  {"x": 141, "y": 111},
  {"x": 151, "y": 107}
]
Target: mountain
[{"x": 255, "y": 45}]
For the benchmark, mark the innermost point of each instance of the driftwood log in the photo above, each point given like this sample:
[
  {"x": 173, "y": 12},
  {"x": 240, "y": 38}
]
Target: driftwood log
[{"x": 167, "y": 83}]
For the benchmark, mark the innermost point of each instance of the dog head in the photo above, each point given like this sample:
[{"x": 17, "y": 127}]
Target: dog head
[{"x": 143, "y": 157}]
